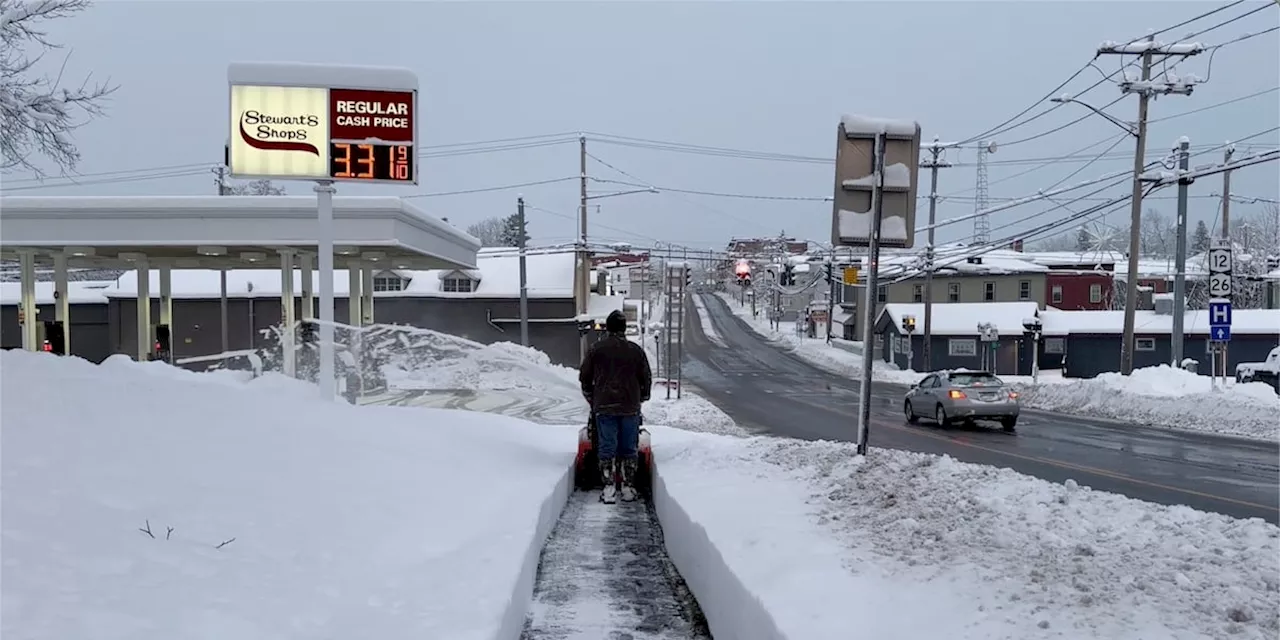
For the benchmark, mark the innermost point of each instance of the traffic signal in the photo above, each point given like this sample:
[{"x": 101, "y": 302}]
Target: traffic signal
[
  {"x": 831, "y": 272},
  {"x": 307, "y": 332},
  {"x": 55, "y": 340},
  {"x": 909, "y": 324},
  {"x": 688, "y": 276}
]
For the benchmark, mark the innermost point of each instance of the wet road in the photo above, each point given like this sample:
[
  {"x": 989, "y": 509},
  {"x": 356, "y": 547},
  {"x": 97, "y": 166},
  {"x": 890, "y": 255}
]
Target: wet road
[{"x": 768, "y": 389}]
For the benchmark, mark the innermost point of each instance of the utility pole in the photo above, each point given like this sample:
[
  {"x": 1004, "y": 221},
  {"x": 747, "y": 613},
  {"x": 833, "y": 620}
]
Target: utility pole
[
  {"x": 524, "y": 276},
  {"x": 1145, "y": 88},
  {"x": 221, "y": 182},
  {"x": 584, "y": 263},
  {"x": 933, "y": 164},
  {"x": 1180, "y": 278},
  {"x": 1226, "y": 236}
]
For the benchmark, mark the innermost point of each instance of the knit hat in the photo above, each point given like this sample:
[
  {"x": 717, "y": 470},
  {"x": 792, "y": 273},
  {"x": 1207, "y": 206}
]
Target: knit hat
[{"x": 616, "y": 322}]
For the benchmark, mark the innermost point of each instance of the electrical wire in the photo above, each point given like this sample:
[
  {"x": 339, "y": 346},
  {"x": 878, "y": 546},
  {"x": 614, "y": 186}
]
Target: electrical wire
[
  {"x": 427, "y": 151},
  {"x": 504, "y": 187}
]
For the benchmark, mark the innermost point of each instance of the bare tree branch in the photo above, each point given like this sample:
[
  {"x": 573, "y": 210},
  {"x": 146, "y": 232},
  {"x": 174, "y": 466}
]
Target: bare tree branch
[
  {"x": 147, "y": 530},
  {"x": 168, "y": 533},
  {"x": 37, "y": 113},
  {"x": 225, "y": 543},
  {"x": 256, "y": 188},
  {"x": 489, "y": 232}
]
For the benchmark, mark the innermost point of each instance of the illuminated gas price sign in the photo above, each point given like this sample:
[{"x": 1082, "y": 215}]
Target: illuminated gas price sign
[{"x": 355, "y": 135}]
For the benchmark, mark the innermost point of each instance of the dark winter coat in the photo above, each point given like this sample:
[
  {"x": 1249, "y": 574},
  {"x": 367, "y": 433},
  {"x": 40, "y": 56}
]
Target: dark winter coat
[{"x": 615, "y": 376}]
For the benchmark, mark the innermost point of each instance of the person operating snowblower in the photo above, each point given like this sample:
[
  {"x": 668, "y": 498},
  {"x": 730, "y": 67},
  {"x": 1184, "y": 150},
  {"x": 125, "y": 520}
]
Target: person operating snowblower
[{"x": 616, "y": 379}]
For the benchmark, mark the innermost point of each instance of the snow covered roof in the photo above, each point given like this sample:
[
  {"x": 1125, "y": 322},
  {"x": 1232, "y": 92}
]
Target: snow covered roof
[
  {"x": 599, "y": 307},
  {"x": 215, "y": 231},
  {"x": 549, "y": 275},
  {"x": 1071, "y": 258},
  {"x": 962, "y": 318},
  {"x": 1243, "y": 322},
  {"x": 84, "y": 292}
]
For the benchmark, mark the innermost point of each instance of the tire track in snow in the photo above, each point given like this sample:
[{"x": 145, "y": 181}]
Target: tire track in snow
[{"x": 604, "y": 574}]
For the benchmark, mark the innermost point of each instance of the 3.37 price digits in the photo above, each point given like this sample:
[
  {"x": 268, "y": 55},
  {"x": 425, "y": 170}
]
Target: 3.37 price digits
[{"x": 349, "y": 161}]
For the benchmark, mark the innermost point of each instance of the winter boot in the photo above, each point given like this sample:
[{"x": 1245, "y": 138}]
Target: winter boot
[
  {"x": 609, "y": 494},
  {"x": 629, "y": 479}
]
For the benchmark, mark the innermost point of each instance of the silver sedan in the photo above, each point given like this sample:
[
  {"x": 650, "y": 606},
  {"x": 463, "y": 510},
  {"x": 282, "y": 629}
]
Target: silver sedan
[{"x": 951, "y": 396}]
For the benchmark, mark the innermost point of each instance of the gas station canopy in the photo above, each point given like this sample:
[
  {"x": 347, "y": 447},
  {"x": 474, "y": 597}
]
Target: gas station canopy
[{"x": 225, "y": 232}]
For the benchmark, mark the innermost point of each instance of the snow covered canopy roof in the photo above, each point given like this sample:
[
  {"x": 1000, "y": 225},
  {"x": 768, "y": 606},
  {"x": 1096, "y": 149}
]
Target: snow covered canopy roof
[
  {"x": 549, "y": 275},
  {"x": 225, "y": 231}
]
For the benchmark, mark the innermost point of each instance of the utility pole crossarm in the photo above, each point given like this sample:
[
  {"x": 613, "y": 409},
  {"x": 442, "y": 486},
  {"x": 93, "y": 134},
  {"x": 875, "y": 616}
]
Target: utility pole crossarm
[{"x": 1154, "y": 47}]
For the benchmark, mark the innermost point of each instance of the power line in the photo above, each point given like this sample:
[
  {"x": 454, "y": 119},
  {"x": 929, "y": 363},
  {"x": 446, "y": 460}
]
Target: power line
[{"x": 504, "y": 187}]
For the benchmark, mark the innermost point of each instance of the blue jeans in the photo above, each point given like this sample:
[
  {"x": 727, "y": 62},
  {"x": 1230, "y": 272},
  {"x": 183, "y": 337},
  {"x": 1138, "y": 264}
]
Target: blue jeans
[{"x": 619, "y": 436}]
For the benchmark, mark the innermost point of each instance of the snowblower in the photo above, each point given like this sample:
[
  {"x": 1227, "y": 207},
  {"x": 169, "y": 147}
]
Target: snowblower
[{"x": 586, "y": 467}]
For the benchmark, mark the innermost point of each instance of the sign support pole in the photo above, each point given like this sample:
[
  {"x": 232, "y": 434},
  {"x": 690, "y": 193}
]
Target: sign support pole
[
  {"x": 869, "y": 300},
  {"x": 324, "y": 247},
  {"x": 1178, "y": 334}
]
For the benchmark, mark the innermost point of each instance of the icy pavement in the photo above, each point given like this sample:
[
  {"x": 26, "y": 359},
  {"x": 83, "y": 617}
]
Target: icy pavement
[
  {"x": 604, "y": 574},
  {"x": 1151, "y": 396}
]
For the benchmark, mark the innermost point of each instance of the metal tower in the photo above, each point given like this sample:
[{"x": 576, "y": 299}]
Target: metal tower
[{"x": 982, "y": 223}]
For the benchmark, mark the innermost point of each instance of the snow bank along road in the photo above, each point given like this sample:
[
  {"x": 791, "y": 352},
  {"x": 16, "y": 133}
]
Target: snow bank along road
[{"x": 768, "y": 389}]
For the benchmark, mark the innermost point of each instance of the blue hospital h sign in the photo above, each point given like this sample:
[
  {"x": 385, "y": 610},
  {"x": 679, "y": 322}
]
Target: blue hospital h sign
[{"x": 1219, "y": 314}]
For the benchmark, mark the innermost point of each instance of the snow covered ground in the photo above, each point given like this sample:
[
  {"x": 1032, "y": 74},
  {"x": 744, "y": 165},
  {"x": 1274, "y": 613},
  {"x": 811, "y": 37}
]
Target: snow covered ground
[
  {"x": 869, "y": 543},
  {"x": 271, "y": 514},
  {"x": 338, "y": 520},
  {"x": 1157, "y": 396}
]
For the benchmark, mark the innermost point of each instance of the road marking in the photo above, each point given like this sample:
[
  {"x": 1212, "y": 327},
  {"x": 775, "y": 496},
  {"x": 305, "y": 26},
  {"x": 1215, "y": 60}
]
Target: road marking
[{"x": 1086, "y": 469}]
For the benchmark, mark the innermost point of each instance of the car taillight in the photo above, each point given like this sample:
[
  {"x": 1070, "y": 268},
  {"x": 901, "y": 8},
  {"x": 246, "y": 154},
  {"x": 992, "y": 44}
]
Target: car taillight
[
  {"x": 956, "y": 395},
  {"x": 1013, "y": 395}
]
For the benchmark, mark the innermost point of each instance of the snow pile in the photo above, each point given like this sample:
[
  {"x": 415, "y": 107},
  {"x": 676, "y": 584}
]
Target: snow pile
[
  {"x": 413, "y": 358},
  {"x": 269, "y": 516},
  {"x": 853, "y": 542},
  {"x": 511, "y": 380},
  {"x": 690, "y": 413},
  {"x": 1163, "y": 396}
]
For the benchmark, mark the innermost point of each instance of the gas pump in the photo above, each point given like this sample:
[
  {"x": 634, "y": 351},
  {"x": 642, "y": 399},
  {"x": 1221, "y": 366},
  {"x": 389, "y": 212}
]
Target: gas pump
[
  {"x": 55, "y": 339},
  {"x": 163, "y": 348}
]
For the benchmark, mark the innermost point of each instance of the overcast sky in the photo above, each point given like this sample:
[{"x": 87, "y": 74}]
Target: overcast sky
[{"x": 771, "y": 77}]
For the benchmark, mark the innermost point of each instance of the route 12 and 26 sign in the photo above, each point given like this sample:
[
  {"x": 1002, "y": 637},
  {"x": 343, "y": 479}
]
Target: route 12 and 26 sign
[
  {"x": 323, "y": 133},
  {"x": 1220, "y": 266}
]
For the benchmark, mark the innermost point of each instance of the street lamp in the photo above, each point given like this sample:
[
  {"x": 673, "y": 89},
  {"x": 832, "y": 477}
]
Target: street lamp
[{"x": 1128, "y": 127}]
